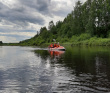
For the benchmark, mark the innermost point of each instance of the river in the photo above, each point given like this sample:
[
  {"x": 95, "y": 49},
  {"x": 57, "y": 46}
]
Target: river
[{"x": 37, "y": 70}]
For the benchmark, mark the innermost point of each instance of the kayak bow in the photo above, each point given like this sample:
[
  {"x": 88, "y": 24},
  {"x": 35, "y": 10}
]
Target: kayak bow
[{"x": 60, "y": 48}]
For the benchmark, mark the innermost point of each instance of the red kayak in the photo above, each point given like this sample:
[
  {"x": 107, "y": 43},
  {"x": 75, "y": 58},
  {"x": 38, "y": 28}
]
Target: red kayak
[{"x": 60, "y": 48}]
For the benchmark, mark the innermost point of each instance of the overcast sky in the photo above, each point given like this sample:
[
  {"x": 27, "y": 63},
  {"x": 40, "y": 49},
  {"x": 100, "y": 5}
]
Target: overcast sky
[{"x": 21, "y": 19}]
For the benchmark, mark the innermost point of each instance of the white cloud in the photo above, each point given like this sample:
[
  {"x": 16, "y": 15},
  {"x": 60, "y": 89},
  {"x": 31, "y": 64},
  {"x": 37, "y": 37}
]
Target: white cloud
[
  {"x": 17, "y": 16},
  {"x": 28, "y": 34},
  {"x": 8, "y": 39},
  {"x": 9, "y": 3}
]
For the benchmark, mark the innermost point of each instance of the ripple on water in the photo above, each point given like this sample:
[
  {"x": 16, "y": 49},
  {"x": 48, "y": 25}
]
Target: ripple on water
[{"x": 25, "y": 70}]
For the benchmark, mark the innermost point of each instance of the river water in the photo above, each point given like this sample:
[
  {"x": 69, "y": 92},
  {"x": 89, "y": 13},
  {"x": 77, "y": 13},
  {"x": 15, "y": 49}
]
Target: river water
[{"x": 37, "y": 70}]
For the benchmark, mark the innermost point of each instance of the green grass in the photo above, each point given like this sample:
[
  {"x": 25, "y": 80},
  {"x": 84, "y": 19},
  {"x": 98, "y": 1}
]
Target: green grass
[
  {"x": 81, "y": 40},
  {"x": 93, "y": 41}
]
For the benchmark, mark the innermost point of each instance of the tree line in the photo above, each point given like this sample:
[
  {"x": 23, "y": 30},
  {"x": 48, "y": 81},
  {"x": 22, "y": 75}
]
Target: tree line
[{"x": 91, "y": 17}]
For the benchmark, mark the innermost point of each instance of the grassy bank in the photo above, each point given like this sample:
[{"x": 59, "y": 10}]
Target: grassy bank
[
  {"x": 87, "y": 40},
  {"x": 94, "y": 41},
  {"x": 81, "y": 40},
  {"x": 76, "y": 41}
]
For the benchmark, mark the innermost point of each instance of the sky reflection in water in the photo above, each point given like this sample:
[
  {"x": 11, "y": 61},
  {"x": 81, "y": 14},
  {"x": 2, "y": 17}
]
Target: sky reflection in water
[{"x": 36, "y": 70}]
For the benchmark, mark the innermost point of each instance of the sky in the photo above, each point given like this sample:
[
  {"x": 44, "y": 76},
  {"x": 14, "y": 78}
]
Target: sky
[{"x": 21, "y": 19}]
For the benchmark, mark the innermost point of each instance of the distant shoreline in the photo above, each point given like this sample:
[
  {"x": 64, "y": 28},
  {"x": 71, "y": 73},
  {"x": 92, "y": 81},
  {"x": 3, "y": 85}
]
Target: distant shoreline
[{"x": 93, "y": 41}]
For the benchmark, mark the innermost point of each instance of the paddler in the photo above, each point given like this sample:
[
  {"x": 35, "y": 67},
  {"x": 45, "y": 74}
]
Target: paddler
[
  {"x": 55, "y": 45},
  {"x": 58, "y": 45},
  {"x": 51, "y": 46}
]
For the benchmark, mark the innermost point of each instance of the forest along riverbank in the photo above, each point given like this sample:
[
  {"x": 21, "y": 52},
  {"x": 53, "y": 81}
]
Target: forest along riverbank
[
  {"x": 81, "y": 40},
  {"x": 83, "y": 26}
]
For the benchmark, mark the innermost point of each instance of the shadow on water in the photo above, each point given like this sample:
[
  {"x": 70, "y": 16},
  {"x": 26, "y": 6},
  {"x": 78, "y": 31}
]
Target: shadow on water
[
  {"x": 88, "y": 67},
  {"x": 91, "y": 66},
  {"x": 45, "y": 54},
  {"x": 37, "y": 70}
]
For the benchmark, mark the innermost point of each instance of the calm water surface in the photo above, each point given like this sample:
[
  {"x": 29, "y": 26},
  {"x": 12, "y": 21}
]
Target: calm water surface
[{"x": 37, "y": 70}]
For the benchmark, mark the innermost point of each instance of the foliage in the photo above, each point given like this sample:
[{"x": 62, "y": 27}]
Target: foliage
[
  {"x": 1, "y": 42},
  {"x": 88, "y": 23}
]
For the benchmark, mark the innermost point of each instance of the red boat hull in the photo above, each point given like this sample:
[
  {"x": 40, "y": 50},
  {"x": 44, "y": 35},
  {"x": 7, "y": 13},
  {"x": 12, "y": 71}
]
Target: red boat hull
[{"x": 61, "y": 48}]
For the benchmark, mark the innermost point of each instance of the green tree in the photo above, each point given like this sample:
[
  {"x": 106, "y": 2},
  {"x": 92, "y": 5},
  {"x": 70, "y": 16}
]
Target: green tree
[
  {"x": 92, "y": 17},
  {"x": 77, "y": 18},
  {"x": 51, "y": 24}
]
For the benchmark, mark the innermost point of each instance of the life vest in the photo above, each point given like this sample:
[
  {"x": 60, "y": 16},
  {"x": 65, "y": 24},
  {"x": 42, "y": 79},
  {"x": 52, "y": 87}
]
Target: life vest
[
  {"x": 58, "y": 45},
  {"x": 51, "y": 45},
  {"x": 55, "y": 45}
]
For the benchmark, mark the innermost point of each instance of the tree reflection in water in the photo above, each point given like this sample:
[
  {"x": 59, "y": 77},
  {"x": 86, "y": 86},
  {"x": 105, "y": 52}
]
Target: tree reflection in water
[{"x": 88, "y": 67}]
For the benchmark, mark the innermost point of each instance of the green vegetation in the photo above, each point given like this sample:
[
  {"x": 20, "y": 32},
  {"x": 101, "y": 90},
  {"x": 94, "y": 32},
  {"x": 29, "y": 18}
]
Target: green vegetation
[
  {"x": 87, "y": 24},
  {"x": 1, "y": 42}
]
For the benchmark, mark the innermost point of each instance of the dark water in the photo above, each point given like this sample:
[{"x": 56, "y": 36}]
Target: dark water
[{"x": 37, "y": 70}]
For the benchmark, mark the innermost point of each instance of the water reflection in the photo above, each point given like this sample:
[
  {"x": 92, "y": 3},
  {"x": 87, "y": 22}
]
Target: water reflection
[
  {"x": 36, "y": 70},
  {"x": 87, "y": 68},
  {"x": 47, "y": 53},
  {"x": 56, "y": 53},
  {"x": 91, "y": 66}
]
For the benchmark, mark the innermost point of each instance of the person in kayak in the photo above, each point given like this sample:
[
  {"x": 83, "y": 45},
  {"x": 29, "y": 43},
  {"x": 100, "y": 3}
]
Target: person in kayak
[
  {"x": 51, "y": 45},
  {"x": 55, "y": 45},
  {"x": 58, "y": 45}
]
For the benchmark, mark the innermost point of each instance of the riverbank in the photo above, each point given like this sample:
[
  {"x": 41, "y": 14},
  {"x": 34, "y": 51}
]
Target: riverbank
[
  {"x": 82, "y": 40},
  {"x": 94, "y": 41}
]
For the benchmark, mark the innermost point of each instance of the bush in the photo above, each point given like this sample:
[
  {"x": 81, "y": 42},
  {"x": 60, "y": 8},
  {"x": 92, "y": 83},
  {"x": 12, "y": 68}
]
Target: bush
[
  {"x": 108, "y": 34},
  {"x": 82, "y": 37},
  {"x": 64, "y": 40}
]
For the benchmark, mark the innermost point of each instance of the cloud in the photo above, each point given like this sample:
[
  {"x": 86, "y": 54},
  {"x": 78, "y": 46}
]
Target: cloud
[
  {"x": 59, "y": 9},
  {"x": 15, "y": 37},
  {"x": 18, "y": 17},
  {"x": 42, "y": 6},
  {"x": 8, "y": 39}
]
